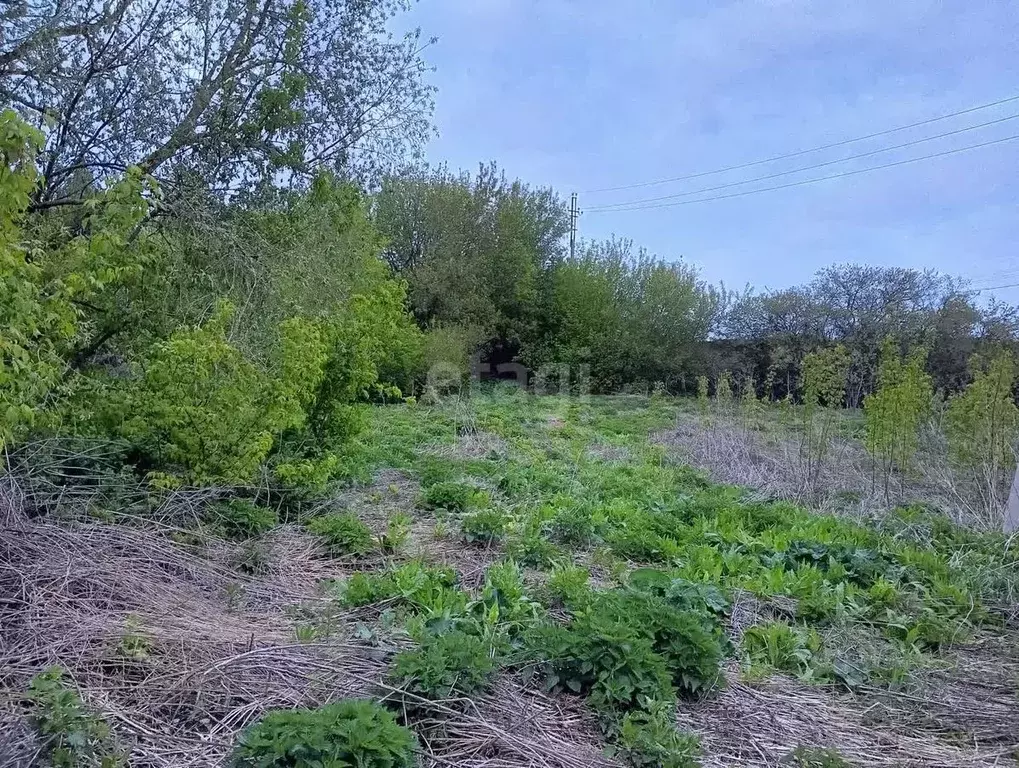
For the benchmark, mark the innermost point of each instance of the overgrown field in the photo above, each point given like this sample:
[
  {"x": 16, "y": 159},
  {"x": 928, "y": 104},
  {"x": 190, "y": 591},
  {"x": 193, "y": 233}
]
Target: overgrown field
[{"x": 508, "y": 580}]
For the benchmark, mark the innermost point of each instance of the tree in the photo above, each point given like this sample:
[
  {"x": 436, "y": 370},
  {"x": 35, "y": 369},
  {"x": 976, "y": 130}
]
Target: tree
[
  {"x": 235, "y": 91},
  {"x": 475, "y": 250}
]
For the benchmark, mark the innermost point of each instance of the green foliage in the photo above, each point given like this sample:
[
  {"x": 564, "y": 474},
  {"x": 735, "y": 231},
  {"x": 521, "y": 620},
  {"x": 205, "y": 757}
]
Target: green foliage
[
  {"x": 345, "y": 733},
  {"x": 703, "y": 404},
  {"x": 241, "y": 518},
  {"x": 72, "y": 736},
  {"x": 486, "y": 526},
  {"x": 815, "y": 757},
  {"x": 896, "y": 411},
  {"x": 824, "y": 387},
  {"x": 573, "y": 526},
  {"x": 343, "y": 534},
  {"x": 723, "y": 389},
  {"x": 982, "y": 424},
  {"x": 397, "y": 532},
  {"x": 201, "y": 406},
  {"x": 569, "y": 585},
  {"x": 625, "y": 317},
  {"x": 454, "y": 497},
  {"x": 445, "y": 665},
  {"x": 533, "y": 550},
  {"x": 648, "y": 739},
  {"x": 780, "y": 646},
  {"x": 412, "y": 584}
]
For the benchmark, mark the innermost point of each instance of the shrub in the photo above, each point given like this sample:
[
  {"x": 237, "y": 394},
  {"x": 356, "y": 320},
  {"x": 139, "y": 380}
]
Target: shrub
[
  {"x": 453, "y": 663},
  {"x": 346, "y": 733},
  {"x": 413, "y": 585},
  {"x": 242, "y": 519},
  {"x": 343, "y": 534},
  {"x": 455, "y": 497},
  {"x": 487, "y": 527},
  {"x": 73, "y": 736},
  {"x": 202, "y": 406}
]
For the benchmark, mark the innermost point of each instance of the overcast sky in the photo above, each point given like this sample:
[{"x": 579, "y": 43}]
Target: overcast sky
[{"x": 587, "y": 94}]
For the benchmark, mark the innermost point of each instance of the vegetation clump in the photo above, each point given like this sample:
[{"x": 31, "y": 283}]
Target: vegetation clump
[
  {"x": 343, "y": 534},
  {"x": 345, "y": 733}
]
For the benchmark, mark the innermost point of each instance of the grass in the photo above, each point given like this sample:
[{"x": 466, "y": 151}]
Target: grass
[{"x": 584, "y": 559}]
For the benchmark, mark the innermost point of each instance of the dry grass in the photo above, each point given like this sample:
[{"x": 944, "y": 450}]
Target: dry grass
[
  {"x": 761, "y": 723},
  {"x": 769, "y": 461},
  {"x": 219, "y": 648}
]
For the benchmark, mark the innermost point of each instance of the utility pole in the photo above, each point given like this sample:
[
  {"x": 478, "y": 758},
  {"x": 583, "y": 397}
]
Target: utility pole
[{"x": 574, "y": 215}]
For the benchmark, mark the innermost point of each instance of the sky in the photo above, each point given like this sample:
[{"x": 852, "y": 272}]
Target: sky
[{"x": 582, "y": 95}]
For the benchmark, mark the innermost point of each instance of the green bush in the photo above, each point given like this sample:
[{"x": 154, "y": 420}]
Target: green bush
[
  {"x": 487, "y": 527},
  {"x": 600, "y": 656},
  {"x": 346, "y": 733},
  {"x": 202, "y": 407},
  {"x": 242, "y": 519},
  {"x": 71, "y": 735},
  {"x": 450, "y": 664},
  {"x": 454, "y": 497},
  {"x": 343, "y": 534},
  {"x": 412, "y": 585}
]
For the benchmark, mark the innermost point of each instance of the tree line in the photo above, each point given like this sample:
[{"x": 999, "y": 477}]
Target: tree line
[{"x": 217, "y": 245}]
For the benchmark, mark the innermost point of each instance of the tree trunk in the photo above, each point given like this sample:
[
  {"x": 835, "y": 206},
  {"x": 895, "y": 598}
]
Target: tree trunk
[{"x": 1012, "y": 507}]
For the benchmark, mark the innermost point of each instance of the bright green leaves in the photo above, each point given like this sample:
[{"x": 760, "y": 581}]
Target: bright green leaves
[
  {"x": 896, "y": 411},
  {"x": 339, "y": 735}
]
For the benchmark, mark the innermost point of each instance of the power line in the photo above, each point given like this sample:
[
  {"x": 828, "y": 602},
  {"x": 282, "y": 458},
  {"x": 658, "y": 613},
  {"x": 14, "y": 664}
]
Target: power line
[
  {"x": 815, "y": 180},
  {"x": 788, "y": 155},
  {"x": 802, "y": 169},
  {"x": 997, "y": 287}
]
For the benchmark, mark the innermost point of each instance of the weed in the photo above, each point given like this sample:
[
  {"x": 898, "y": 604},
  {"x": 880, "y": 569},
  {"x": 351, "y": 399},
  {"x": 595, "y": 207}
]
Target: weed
[
  {"x": 253, "y": 558},
  {"x": 647, "y": 738},
  {"x": 346, "y": 733},
  {"x": 343, "y": 534},
  {"x": 451, "y": 496},
  {"x": 450, "y": 664},
  {"x": 242, "y": 519},
  {"x": 780, "y": 646},
  {"x": 569, "y": 585},
  {"x": 815, "y": 757},
  {"x": 71, "y": 735},
  {"x": 397, "y": 531},
  {"x": 535, "y": 551},
  {"x": 486, "y": 527}
]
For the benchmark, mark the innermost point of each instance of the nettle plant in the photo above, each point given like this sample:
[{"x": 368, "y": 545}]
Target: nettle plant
[
  {"x": 72, "y": 736},
  {"x": 345, "y": 733}
]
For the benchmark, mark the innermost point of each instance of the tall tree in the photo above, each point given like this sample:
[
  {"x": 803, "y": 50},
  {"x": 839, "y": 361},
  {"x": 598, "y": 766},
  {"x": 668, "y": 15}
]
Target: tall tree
[{"x": 235, "y": 91}]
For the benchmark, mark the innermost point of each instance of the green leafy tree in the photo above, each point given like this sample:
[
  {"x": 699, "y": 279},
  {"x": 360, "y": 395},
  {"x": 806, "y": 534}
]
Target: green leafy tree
[
  {"x": 982, "y": 427},
  {"x": 895, "y": 412},
  {"x": 824, "y": 387}
]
